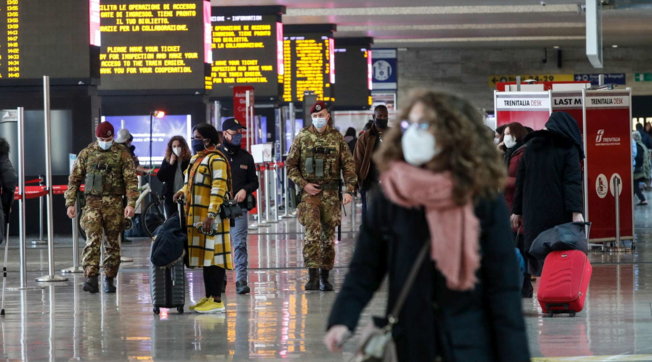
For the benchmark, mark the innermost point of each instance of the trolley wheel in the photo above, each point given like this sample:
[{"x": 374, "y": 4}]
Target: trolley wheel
[
  {"x": 157, "y": 310},
  {"x": 572, "y": 314},
  {"x": 152, "y": 218},
  {"x": 180, "y": 309}
]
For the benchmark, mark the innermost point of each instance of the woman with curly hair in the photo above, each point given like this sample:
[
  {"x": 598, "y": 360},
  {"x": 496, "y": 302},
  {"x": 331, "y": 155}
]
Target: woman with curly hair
[{"x": 441, "y": 180}]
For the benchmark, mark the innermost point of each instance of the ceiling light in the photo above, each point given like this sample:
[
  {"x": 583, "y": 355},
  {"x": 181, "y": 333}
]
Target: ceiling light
[
  {"x": 382, "y": 27},
  {"x": 477, "y": 39},
  {"x": 556, "y": 47},
  {"x": 614, "y": 46},
  {"x": 434, "y": 10}
]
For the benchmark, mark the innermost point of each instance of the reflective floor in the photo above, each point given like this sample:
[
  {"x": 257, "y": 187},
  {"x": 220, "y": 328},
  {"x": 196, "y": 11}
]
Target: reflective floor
[{"x": 279, "y": 320}]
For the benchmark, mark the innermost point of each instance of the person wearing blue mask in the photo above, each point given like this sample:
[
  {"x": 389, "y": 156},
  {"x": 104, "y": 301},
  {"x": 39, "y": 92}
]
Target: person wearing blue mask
[{"x": 245, "y": 182}]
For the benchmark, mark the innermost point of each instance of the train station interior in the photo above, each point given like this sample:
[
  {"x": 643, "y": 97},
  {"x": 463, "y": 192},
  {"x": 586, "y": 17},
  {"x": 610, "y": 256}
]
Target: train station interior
[{"x": 159, "y": 68}]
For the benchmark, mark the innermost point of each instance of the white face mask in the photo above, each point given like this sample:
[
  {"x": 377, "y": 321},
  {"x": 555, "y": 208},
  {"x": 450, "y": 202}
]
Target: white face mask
[
  {"x": 319, "y": 122},
  {"x": 104, "y": 145},
  {"x": 419, "y": 145},
  {"x": 509, "y": 141},
  {"x": 177, "y": 151},
  {"x": 496, "y": 140}
]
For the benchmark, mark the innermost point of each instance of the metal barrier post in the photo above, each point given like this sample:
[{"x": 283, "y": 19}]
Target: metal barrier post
[
  {"x": 75, "y": 268},
  {"x": 40, "y": 240},
  {"x": 617, "y": 197},
  {"x": 353, "y": 214},
  {"x": 268, "y": 197},
  {"x": 274, "y": 192},
  {"x": 51, "y": 277},
  {"x": 285, "y": 194},
  {"x": 21, "y": 191},
  {"x": 259, "y": 202}
]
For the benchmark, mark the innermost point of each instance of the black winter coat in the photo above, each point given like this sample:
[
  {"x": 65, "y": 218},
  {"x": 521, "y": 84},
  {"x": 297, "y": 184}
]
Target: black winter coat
[
  {"x": 485, "y": 324},
  {"x": 166, "y": 175},
  {"x": 8, "y": 181},
  {"x": 548, "y": 184}
]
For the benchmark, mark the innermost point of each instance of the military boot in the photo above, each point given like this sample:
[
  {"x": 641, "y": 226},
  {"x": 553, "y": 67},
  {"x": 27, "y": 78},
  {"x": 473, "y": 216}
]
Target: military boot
[
  {"x": 91, "y": 285},
  {"x": 324, "y": 284},
  {"x": 108, "y": 285},
  {"x": 313, "y": 282}
]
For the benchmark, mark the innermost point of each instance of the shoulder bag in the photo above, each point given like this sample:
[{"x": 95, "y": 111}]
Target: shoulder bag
[{"x": 377, "y": 343}]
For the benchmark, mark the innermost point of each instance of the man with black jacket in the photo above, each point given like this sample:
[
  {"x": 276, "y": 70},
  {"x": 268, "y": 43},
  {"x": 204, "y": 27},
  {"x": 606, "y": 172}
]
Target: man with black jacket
[{"x": 245, "y": 182}]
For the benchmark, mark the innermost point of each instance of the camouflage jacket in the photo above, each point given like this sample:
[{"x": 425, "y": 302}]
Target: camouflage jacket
[
  {"x": 321, "y": 158},
  {"x": 104, "y": 173}
]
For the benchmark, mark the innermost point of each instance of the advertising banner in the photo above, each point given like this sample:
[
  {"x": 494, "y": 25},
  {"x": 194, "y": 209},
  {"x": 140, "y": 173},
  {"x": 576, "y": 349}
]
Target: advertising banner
[
  {"x": 608, "y": 146},
  {"x": 531, "y": 109},
  {"x": 571, "y": 103}
]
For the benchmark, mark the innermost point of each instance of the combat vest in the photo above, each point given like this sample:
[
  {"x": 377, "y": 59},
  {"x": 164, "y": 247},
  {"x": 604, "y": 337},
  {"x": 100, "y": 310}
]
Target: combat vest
[
  {"x": 320, "y": 156},
  {"x": 104, "y": 172}
]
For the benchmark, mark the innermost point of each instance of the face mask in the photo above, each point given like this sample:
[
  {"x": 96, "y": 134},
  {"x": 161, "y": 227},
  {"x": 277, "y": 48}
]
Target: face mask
[
  {"x": 319, "y": 122},
  {"x": 381, "y": 123},
  {"x": 105, "y": 145},
  {"x": 418, "y": 145},
  {"x": 509, "y": 141},
  {"x": 236, "y": 140},
  {"x": 177, "y": 151},
  {"x": 198, "y": 146}
]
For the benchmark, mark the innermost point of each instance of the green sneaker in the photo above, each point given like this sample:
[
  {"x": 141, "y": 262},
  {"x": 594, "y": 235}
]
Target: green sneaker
[{"x": 201, "y": 301}]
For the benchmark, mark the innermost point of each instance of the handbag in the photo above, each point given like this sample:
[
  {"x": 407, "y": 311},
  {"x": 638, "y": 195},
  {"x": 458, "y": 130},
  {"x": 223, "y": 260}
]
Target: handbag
[{"x": 377, "y": 344}]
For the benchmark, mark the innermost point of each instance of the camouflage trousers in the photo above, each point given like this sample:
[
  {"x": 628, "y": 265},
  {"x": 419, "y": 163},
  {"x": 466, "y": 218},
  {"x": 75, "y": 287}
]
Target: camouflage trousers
[
  {"x": 320, "y": 215},
  {"x": 103, "y": 221}
]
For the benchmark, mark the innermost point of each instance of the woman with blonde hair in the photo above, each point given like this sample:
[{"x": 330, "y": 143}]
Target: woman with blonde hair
[{"x": 441, "y": 180}]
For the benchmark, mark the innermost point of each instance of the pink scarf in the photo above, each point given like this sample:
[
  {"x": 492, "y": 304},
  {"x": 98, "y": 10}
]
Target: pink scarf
[{"x": 454, "y": 230}]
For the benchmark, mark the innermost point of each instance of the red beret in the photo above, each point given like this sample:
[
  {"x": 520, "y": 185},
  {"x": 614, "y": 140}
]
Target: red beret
[
  {"x": 104, "y": 130},
  {"x": 318, "y": 106}
]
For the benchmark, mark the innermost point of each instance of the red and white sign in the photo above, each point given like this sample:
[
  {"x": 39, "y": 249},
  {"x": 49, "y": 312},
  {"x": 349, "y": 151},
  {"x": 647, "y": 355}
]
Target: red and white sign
[
  {"x": 608, "y": 145},
  {"x": 571, "y": 103},
  {"x": 531, "y": 109},
  {"x": 243, "y": 112}
]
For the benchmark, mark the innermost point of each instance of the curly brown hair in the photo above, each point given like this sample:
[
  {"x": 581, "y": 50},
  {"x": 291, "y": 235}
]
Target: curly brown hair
[
  {"x": 465, "y": 145},
  {"x": 185, "y": 150}
]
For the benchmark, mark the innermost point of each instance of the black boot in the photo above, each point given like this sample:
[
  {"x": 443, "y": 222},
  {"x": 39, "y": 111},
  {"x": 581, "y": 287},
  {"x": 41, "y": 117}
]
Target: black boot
[
  {"x": 108, "y": 285},
  {"x": 91, "y": 285},
  {"x": 313, "y": 282},
  {"x": 324, "y": 284}
]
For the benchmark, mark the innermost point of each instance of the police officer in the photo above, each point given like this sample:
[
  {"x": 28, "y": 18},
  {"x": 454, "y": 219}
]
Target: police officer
[
  {"x": 317, "y": 157},
  {"x": 109, "y": 175},
  {"x": 245, "y": 182}
]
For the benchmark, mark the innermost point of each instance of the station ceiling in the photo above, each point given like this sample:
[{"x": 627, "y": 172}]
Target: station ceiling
[{"x": 469, "y": 23}]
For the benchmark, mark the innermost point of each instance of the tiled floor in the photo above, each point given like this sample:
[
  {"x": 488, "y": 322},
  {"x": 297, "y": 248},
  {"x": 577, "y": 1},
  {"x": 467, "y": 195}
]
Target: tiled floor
[{"x": 279, "y": 320}]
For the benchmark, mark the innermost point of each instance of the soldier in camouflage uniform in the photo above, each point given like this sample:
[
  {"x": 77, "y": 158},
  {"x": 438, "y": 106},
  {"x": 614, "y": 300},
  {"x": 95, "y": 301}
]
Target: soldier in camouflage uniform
[
  {"x": 108, "y": 172},
  {"x": 318, "y": 156}
]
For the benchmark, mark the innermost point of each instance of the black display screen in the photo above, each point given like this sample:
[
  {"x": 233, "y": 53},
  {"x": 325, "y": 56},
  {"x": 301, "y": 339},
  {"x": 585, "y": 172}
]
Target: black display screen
[
  {"x": 46, "y": 37},
  {"x": 353, "y": 89},
  {"x": 309, "y": 65},
  {"x": 247, "y": 51},
  {"x": 154, "y": 44}
]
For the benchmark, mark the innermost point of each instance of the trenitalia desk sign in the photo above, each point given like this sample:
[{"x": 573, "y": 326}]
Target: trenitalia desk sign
[
  {"x": 531, "y": 109},
  {"x": 608, "y": 164}
]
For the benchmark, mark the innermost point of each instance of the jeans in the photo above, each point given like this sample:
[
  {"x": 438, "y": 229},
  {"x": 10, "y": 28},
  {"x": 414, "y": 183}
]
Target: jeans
[
  {"x": 239, "y": 244},
  {"x": 637, "y": 189}
]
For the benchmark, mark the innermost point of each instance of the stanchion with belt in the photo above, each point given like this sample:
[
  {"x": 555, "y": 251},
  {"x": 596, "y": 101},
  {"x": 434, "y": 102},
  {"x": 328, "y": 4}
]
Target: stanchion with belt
[
  {"x": 75, "y": 268},
  {"x": 286, "y": 194},
  {"x": 40, "y": 241},
  {"x": 268, "y": 196},
  {"x": 260, "y": 169},
  {"x": 274, "y": 191}
]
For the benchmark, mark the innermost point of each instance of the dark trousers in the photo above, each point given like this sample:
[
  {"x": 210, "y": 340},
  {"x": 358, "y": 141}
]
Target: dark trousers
[
  {"x": 526, "y": 289},
  {"x": 637, "y": 189},
  {"x": 213, "y": 281}
]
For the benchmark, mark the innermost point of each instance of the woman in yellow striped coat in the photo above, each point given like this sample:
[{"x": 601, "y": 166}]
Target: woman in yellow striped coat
[{"x": 205, "y": 189}]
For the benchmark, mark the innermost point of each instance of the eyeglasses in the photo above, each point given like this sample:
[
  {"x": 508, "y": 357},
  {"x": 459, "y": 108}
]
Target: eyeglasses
[{"x": 422, "y": 126}]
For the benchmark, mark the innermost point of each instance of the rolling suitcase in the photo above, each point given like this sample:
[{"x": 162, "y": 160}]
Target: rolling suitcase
[
  {"x": 168, "y": 283},
  {"x": 564, "y": 282}
]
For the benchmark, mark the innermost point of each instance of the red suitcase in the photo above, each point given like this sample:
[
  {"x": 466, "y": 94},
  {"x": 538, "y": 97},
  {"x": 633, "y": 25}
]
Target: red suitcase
[{"x": 564, "y": 282}]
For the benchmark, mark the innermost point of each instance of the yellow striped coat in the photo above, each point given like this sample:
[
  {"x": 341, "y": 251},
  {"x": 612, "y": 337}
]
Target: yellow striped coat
[{"x": 205, "y": 190}]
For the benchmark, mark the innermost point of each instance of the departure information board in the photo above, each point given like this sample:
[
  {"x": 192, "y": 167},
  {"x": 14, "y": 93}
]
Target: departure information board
[
  {"x": 309, "y": 65},
  {"x": 247, "y": 51},
  {"x": 154, "y": 44},
  {"x": 45, "y": 37},
  {"x": 353, "y": 64}
]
